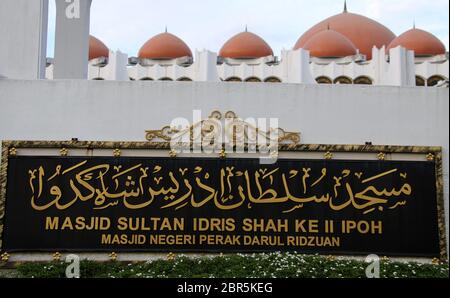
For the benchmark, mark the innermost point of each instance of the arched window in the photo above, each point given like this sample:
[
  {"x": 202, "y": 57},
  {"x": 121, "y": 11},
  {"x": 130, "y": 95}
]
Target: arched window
[
  {"x": 184, "y": 79},
  {"x": 342, "y": 80},
  {"x": 420, "y": 81},
  {"x": 362, "y": 80},
  {"x": 233, "y": 79},
  {"x": 165, "y": 79},
  {"x": 323, "y": 80},
  {"x": 272, "y": 80},
  {"x": 98, "y": 79},
  {"x": 434, "y": 80},
  {"x": 146, "y": 79},
  {"x": 132, "y": 79},
  {"x": 253, "y": 80}
]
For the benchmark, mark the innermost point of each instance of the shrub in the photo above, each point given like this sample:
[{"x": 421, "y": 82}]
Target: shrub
[{"x": 272, "y": 265}]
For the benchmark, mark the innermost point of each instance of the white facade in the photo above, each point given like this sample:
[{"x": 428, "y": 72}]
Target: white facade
[{"x": 399, "y": 68}]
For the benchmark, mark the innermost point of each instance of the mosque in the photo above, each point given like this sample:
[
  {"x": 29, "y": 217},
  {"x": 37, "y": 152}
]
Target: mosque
[
  {"x": 348, "y": 95},
  {"x": 346, "y": 48}
]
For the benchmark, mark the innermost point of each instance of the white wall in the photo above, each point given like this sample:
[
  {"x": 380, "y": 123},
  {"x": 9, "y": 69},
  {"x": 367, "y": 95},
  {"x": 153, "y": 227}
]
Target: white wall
[
  {"x": 72, "y": 39},
  {"x": 23, "y": 38},
  {"x": 329, "y": 114}
]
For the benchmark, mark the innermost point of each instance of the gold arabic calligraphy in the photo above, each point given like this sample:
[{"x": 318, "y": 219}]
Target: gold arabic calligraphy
[{"x": 139, "y": 186}]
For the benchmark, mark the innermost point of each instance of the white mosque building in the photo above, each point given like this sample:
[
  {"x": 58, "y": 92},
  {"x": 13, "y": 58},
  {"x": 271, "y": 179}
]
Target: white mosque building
[{"x": 346, "y": 48}]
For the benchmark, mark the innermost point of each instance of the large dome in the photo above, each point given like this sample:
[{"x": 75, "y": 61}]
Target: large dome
[
  {"x": 164, "y": 46},
  {"x": 421, "y": 42},
  {"x": 363, "y": 32},
  {"x": 97, "y": 48},
  {"x": 330, "y": 44},
  {"x": 245, "y": 45}
]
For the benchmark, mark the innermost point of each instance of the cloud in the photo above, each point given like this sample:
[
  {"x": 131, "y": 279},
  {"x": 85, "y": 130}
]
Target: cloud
[{"x": 127, "y": 24}]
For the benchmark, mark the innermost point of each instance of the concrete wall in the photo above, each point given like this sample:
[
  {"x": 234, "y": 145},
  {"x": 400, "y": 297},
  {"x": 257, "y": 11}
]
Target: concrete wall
[
  {"x": 329, "y": 114},
  {"x": 72, "y": 39},
  {"x": 23, "y": 38}
]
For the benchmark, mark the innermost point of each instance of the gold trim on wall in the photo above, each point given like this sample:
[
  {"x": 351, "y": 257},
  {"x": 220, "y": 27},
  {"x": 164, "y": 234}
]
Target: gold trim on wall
[{"x": 375, "y": 149}]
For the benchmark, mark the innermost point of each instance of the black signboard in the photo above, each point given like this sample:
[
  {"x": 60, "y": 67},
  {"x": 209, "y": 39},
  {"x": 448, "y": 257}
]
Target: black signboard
[{"x": 221, "y": 205}]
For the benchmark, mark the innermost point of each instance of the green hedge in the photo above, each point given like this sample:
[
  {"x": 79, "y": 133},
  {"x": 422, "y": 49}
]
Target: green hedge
[{"x": 274, "y": 265}]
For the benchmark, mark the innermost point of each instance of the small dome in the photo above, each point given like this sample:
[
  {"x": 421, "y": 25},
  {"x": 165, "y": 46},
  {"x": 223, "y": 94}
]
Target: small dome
[
  {"x": 330, "y": 44},
  {"x": 164, "y": 46},
  {"x": 97, "y": 48},
  {"x": 245, "y": 45},
  {"x": 363, "y": 32},
  {"x": 421, "y": 42}
]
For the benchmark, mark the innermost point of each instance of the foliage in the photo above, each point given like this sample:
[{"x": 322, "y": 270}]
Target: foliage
[{"x": 272, "y": 265}]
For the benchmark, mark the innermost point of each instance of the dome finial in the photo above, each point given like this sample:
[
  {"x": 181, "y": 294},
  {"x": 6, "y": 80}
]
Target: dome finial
[
  {"x": 345, "y": 6},
  {"x": 246, "y": 28},
  {"x": 166, "y": 29},
  {"x": 414, "y": 24}
]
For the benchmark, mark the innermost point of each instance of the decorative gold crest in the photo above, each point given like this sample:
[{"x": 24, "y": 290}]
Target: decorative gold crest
[{"x": 235, "y": 130}]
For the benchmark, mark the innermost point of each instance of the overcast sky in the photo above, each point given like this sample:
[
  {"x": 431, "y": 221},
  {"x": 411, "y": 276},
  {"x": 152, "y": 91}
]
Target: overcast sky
[{"x": 207, "y": 24}]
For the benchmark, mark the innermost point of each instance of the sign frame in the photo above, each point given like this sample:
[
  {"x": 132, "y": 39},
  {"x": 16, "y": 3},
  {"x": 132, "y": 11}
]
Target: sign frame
[{"x": 430, "y": 153}]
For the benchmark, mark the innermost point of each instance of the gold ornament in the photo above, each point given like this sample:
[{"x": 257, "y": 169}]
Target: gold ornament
[
  {"x": 113, "y": 256},
  {"x": 430, "y": 156},
  {"x": 172, "y": 153},
  {"x": 56, "y": 256},
  {"x": 5, "y": 257},
  {"x": 12, "y": 151},
  {"x": 206, "y": 126},
  {"x": 170, "y": 256},
  {"x": 64, "y": 152},
  {"x": 328, "y": 155},
  {"x": 222, "y": 153},
  {"x": 117, "y": 152},
  {"x": 381, "y": 156},
  {"x": 435, "y": 261},
  {"x": 274, "y": 154}
]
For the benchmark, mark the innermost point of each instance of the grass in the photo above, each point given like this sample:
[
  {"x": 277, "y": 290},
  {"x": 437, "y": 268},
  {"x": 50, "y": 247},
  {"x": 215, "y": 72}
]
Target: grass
[{"x": 273, "y": 265}]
